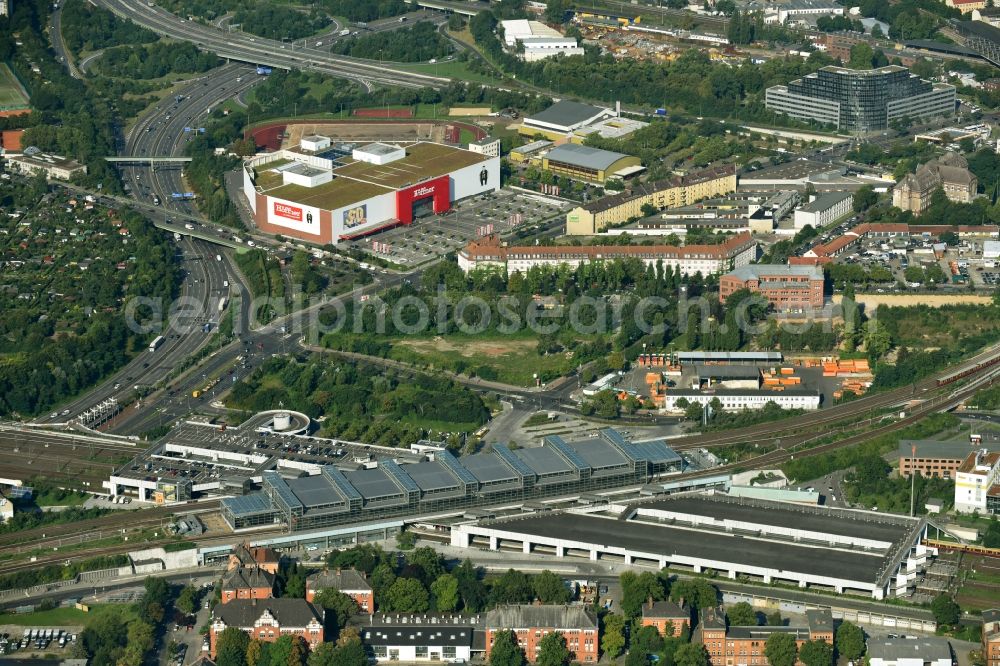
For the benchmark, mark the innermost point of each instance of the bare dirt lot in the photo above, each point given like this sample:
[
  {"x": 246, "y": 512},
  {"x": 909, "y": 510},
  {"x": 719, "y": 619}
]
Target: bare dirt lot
[
  {"x": 469, "y": 111},
  {"x": 355, "y": 131},
  {"x": 872, "y": 301},
  {"x": 471, "y": 348}
]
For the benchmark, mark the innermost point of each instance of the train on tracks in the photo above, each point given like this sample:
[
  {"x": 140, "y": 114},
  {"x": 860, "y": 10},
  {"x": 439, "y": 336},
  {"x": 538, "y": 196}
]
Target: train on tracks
[
  {"x": 982, "y": 365},
  {"x": 962, "y": 547}
]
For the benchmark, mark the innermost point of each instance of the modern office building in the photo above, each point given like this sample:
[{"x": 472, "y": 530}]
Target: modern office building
[
  {"x": 824, "y": 209},
  {"x": 977, "y": 483},
  {"x": 787, "y": 288},
  {"x": 860, "y": 101}
]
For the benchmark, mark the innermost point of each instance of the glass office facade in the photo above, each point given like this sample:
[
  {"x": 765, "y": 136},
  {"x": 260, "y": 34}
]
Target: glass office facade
[{"x": 860, "y": 101}]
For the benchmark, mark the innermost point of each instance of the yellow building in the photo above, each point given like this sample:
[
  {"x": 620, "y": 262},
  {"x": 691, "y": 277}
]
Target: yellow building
[
  {"x": 596, "y": 216},
  {"x": 592, "y": 165},
  {"x": 528, "y": 151},
  {"x": 966, "y": 6}
]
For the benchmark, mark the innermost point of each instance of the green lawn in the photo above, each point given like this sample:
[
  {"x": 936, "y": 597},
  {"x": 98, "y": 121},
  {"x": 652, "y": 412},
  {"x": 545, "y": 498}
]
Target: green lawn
[
  {"x": 11, "y": 93},
  {"x": 452, "y": 69},
  {"x": 61, "y": 617}
]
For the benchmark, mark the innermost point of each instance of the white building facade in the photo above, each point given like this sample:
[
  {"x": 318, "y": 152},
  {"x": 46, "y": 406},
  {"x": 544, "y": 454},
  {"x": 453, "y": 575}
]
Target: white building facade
[{"x": 977, "y": 474}]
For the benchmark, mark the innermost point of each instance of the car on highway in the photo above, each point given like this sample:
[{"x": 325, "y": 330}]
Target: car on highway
[{"x": 65, "y": 412}]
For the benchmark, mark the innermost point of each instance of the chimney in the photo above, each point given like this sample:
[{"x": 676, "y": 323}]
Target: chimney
[
  {"x": 650, "y": 600},
  {"x": 618, "y": 108}
]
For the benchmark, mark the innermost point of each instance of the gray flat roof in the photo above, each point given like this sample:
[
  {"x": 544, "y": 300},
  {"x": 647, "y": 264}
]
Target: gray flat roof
[
  {"x": 431, "y": 476},
  {"x": 727, "y": 371},
  {"x": 819, "y": 521},
  {"x": 373, "y": 483},
  {"x": 929, "y": 448},
  {"x": 543, "y": 460},
  {"x": 599, "y": 454},
  {"x": 566, "y": 113},
  {"x": 487, "y": 468},
  {"x": 584, "y": 156},
  {"x": 924, "y": 650},
  {"x": 664, "y": 540},
  {"x": 313, "y": 490},
  {"x": 825, "y": 201},
  {"x": 766, "y": 356},
  {"x": 754, "y": 271}
]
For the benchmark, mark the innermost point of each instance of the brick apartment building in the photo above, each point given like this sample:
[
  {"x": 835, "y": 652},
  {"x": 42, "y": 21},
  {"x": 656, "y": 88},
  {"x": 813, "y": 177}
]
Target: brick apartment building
[
  {"x": 245, "y": 555},
  {"x": 347, "y": 581},
  {"x": 666, "y": 615},
  {"x": 247, "y": 583},
  {"x": 991, "y": 637},
  {"x": 745, "y": 645},
  {"x": 930, "y": 458},
  {"x": 267, "y": 620},
  {"x": 785, "y": 287},
  {"x": 531, "y": 623}
]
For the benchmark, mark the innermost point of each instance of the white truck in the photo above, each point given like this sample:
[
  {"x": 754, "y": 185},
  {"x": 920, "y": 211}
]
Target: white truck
[{"x": 345, "y": 33}]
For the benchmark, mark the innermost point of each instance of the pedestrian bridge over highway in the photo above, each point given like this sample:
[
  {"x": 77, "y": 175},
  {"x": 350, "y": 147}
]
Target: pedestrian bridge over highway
[{"x": 142, "y": 159}]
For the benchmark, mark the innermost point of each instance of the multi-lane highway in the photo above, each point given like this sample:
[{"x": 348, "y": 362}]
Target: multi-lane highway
[{"x": 251, "y": 49}]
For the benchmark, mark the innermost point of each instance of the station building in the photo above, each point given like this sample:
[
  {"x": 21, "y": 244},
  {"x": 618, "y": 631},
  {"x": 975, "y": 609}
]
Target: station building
[
  {"x": 838, "y": 550},
  {"x": 325, "y": 193},
  {"x": 330, "y": 496}
]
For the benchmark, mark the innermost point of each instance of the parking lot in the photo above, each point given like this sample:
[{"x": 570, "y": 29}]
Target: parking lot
[{"x": 436, "y": 235}]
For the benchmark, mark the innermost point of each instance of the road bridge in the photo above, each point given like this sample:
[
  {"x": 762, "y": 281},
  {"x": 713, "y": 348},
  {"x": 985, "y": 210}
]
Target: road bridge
[
  {"x": 470, "y": 8},
  {"x": 140, "y": 159}
]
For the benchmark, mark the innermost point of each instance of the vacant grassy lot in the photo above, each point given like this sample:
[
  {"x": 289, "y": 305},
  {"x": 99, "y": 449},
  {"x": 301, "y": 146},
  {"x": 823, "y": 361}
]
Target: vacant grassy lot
[
  {"x": 513, "y": 358},
  {"x": 68, "y": 617}
]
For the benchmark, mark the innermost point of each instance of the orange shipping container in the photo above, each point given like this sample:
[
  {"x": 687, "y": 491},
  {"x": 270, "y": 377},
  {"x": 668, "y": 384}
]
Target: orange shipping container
[{"x": 788, "y": 371}]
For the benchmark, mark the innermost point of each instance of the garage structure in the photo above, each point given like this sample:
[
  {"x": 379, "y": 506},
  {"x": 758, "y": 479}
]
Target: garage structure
[{"x": 839, "y": 550}]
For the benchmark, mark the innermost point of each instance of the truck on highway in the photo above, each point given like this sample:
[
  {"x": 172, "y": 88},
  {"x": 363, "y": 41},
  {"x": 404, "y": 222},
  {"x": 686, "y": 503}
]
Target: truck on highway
[
  {"x": 154, "y": 345},
  {"x": 195, "y": 393},
  {"x": 222, "y": 303}
]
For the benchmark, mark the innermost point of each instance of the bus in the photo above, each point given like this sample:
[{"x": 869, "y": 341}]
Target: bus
[{"x": 156, "y": 343}]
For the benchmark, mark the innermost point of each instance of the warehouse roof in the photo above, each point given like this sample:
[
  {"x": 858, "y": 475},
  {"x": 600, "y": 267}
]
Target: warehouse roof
[
  {"x": 584, "y": 156},
  {"x": 567, "y": 114},
  {"x": 922, "y": 650}
]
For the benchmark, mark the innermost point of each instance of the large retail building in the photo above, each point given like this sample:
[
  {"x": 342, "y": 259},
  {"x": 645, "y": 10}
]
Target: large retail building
[
  {"x": 861, "y": 100},
  {"x": 334, "y": 193}
]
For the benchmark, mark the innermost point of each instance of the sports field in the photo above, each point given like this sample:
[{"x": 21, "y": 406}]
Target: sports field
[{"x": 12, "y": 95}]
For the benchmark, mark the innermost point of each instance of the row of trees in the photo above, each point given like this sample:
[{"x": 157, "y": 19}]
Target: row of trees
[
  {"x": 152, "y": 61},
  {"x": 417, "y": 43},
  {"x": 281, "y": 21},
  {"x": 86, "y": 27}
]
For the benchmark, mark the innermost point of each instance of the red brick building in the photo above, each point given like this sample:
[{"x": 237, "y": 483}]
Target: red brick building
[
  {"x": 745, "y": 645},
  {"x": 664, "y": 615},
  {"x": 267, "y": 620},
  {"x": 785, "y": 287},
  {"x": 991, "y": 637},
  {"x": 245, "y": 555},
  {"x": 531, "y": 623},
  {"x": 247, "y": 583},
  {"x": 347, "y": 581}
]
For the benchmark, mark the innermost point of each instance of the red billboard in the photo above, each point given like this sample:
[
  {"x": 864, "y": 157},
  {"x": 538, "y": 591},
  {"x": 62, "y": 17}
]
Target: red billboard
[
  {"x": 438, "y": 188},
  {"x": 293, "y": 213}
]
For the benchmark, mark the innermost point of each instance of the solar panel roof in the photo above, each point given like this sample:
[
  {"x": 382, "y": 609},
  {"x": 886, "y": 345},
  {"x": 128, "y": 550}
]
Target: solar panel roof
[{"x": 248, "y": 505}]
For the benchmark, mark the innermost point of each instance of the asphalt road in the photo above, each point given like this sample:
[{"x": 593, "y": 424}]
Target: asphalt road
[{"x": 259, "y": 50}]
